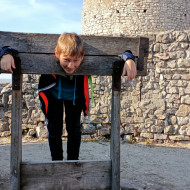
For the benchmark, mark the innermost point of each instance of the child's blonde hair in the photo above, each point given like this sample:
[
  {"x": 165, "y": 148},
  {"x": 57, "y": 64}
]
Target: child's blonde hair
[{"x": 70, "y": 44}]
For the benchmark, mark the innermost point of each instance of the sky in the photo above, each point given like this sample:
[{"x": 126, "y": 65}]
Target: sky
[{"x": 40, "y": 16}]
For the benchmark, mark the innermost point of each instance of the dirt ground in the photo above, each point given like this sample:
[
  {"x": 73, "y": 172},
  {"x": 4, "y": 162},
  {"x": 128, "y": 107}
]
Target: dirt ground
[{"x": 150, "y": 167}]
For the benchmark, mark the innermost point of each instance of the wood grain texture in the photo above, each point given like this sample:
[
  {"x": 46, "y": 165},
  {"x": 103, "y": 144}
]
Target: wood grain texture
[
  {"x": 47, "y": 64},
  {"x": 115, "y": 140},
  {"x": 16, "y": 139},
  {"x": 37, "y": 52},
  {"x": 46, "y": 43},
  {"x": 115, "y": 127},
  {"x": 72, "y": 175}
]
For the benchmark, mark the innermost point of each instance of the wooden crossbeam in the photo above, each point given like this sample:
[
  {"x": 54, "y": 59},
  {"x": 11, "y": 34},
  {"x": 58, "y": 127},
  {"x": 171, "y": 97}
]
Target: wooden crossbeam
[
  {"x": 71, "y": 175},
  {"x": 37, "y": 53}
]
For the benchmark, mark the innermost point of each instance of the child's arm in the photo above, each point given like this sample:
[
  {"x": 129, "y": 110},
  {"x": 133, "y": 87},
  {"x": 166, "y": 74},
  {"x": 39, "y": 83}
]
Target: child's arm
[
  {"x": 7, "y": 59},
  {"x": 7, "y": 63},
  {"x": 129, "y": 68}
]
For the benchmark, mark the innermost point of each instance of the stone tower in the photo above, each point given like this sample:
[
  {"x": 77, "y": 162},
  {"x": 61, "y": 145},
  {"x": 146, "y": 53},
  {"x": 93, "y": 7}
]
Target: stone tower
[
  {"x": 163, "y": 113},
  {"x": 134, "y": 17}
]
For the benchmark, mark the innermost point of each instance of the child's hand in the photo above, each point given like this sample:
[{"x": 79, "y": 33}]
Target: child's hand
[
  {"x": 7, "y": 63},
  {"x": 129, "y": 69}
]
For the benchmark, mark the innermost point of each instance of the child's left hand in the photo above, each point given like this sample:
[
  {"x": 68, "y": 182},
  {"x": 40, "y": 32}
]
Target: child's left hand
[{"x": 129, "y": 69}]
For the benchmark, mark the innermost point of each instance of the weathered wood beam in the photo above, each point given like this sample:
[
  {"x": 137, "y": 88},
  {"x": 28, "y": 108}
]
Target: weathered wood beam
[
  {"x": 37, "y": 51},
  {"x": 72, "y": 175},
  {"x": 46, "y": 64},
  {"x": 46, "y": 43},
  {"x": 115, "y": 127},
  {"x": 16, "y": 131}
]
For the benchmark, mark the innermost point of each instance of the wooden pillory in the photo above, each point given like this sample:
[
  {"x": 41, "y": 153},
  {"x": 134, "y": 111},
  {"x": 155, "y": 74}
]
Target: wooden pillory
[{"x": 37, "y": 56}]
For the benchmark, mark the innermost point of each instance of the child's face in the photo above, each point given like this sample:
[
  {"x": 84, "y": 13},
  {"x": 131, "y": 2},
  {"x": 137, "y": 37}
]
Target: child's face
[{"x": 69, "y": 63}]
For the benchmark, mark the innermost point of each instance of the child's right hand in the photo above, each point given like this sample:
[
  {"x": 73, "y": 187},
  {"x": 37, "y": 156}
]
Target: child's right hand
[{"x": 7, "y": 63}]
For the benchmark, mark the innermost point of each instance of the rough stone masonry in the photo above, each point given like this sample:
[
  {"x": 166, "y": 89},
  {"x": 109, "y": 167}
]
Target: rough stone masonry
[
  {"x": 163, "y": 114},
  {"x": 134, "y": 17}
]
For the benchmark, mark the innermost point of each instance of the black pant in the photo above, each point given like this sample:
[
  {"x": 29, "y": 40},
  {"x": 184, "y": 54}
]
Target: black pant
[{"x": 53, "y": 110}]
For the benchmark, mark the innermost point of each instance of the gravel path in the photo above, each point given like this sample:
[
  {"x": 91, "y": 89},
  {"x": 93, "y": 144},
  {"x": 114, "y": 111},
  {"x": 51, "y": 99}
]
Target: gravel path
[{"x": 142, "y": 166}]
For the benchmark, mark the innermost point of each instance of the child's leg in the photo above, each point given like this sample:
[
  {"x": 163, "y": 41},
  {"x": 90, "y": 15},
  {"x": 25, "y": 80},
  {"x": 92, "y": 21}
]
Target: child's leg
[
  {"x": 53, "y": 110},
  {"x": 73, "y": 127}
]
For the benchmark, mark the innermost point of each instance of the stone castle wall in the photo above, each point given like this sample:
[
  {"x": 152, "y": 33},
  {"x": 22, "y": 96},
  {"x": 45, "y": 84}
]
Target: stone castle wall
[
  {"x": 163, "y": 114},
  {"x": 134, "y": 17},
  {"x": 157, "y": 116}
]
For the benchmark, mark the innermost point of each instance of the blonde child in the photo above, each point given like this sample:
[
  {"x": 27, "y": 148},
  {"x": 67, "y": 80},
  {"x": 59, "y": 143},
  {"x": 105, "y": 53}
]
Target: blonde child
[{"x": 54, "y": 90}]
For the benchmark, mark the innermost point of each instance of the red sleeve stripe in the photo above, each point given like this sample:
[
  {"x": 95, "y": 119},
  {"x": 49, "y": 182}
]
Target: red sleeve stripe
[
  {"x": 86, "y": 95},
  {"x": 43, "y": 96},
  {"x": 54, "y": 76}
]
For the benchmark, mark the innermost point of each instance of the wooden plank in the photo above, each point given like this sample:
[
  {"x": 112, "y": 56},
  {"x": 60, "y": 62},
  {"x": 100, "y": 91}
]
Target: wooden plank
[
  {"x": 37, "y": 52},
  {"x": 115, "y": 127},
  {"x": 72, "y": 175},
  {"x": 45, "y": 43},
  {"x": 16, "y": 137},
  {"x": 143, "y": 54},
  {"x": 47, "y": 64}
]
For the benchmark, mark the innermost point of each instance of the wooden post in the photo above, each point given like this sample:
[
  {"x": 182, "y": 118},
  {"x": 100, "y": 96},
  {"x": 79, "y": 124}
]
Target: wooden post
[
  {"x": 115, "y": 126},
  {"x": 16, "y": 131}
]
